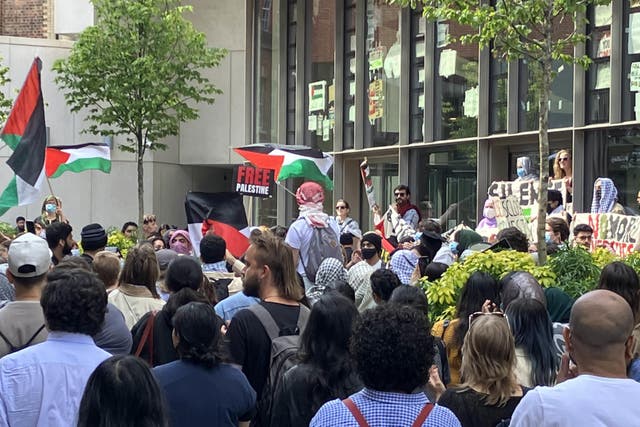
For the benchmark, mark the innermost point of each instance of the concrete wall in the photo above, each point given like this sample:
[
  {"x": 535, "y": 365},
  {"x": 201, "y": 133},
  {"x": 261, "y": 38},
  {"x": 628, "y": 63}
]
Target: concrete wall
[{"x": 188, "y": 164}]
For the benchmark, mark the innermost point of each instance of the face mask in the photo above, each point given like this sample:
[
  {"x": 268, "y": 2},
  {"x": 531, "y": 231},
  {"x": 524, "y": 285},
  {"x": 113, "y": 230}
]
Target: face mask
[
  {"x": 50, "y": 207},
  {"x": 369, "y": 253},
  {"x": 454, "y": 247},
  {"x": 547, "y": 236},
  {"x": 181, "y": 248},
  {"x": 43, "y": 234},
  {"x": 521, "y": 172},
  {"x": 598, "y": 193},
  {"x": 489, "y": 213},
  {"x": 75, "y": 252}
]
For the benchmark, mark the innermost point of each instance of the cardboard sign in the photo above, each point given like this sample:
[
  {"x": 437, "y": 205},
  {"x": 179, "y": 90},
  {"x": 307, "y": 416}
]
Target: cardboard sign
[
  {"x": 252, "y": 181},
  {"x": 618, "y": 232},
  {"x": 525, "y": 192},
  {"x": 509, "y": 214}
]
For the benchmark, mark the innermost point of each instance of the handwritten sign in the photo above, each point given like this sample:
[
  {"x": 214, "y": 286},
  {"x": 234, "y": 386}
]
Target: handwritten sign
[
  {"x": 509, "y": 214},
  {"x": 618, "y": 232}
]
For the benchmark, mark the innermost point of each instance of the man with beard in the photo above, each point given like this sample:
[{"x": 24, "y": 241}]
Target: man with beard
[
  {"x": 408, "y": 211},
  {"x": 60, "y": 240},
  {"x": 269, "y": 274}
]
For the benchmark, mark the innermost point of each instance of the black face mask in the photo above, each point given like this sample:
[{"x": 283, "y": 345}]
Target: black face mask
[{"x": 368, "y": 253}]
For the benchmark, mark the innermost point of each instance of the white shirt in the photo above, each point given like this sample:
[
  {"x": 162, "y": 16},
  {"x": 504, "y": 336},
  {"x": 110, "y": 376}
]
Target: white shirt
[
  {"x": 299, "y": 236},
  {"x": 587, "y": 401}
]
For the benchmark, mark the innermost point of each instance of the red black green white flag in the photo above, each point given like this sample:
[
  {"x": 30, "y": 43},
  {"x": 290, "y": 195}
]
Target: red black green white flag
[
  {"x": 290, "y": 161},
  {"x": 77, "y": 158},
  {"x": 25, "y": 133}
]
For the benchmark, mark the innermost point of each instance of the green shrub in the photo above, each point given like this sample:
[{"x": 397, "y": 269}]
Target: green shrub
[
  {"x": 443, "y": 294},
  {"x": 576, "y": 269}
]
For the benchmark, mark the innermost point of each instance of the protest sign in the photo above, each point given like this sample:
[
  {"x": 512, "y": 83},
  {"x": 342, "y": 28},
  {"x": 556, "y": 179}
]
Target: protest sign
[
  {"x": 618, "y": 232},
  {"x": 525, "y": 193},
  {"x": 509, "y": 214},
  {"x": 252, "y": 181}
]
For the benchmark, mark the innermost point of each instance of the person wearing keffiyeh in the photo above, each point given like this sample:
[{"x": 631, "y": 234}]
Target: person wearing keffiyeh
[
  {"x": 403, "y": 263},
  {"x": 605, "y": 197}
]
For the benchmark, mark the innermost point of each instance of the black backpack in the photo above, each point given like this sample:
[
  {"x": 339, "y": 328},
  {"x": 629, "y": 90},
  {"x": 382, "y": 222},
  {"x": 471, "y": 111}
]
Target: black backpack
[
  {"x": 13, "y": 348},
  {"x": 284, "y": 352}
]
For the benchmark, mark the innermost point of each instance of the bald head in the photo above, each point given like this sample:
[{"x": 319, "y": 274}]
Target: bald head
[{"x": 601, "y": 319}]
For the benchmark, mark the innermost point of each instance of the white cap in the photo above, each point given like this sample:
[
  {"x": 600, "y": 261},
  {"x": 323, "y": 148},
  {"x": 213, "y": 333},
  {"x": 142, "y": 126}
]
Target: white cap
[{"x": 29, "y": 256}]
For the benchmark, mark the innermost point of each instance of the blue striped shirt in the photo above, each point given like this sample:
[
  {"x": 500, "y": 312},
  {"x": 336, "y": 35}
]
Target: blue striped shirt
[{"x": 381, "y": 408}]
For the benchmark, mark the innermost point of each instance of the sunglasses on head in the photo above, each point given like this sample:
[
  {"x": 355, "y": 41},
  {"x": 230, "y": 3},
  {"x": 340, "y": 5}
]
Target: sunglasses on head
[{"x": 477, "y": 314}]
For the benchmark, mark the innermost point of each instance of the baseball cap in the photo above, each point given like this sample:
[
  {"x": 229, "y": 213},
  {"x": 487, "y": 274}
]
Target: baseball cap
[{"x": 29, "y": 256}]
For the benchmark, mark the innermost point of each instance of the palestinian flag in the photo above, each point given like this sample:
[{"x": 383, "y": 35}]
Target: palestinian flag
[
  {"x": 223, "y": 213},
  {"x": 77, "y": 158},
  {"x": 290, "y": 161},
  {"x": 25, "y": 133}
]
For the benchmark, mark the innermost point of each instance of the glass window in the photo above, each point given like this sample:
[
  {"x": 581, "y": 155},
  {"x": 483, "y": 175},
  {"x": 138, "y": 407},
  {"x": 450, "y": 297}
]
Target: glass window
[
  {"x": 320, "y": 114},
  {"x": 631, "y": 62},
  {"x": 349, "y": 72},
  {"x": 498, "y": 95},
  {"x": 614, "y": 153},
  {"x": 456, "y": 83},
  {"x": 446, "y": 184},
  {"x": 267, "y": 55},
  {"x": 418, "y": 30},
  {"x": 382, "y": 107},
  {"x": 561, "y": 97},
  {"x": 292, "y": 12},
  {"x": 599, "y": 73}
]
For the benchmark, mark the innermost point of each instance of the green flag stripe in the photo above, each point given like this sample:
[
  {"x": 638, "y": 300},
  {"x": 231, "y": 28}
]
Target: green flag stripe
[
  {"x": 80, "y": 165},
  {"x": 306, "y": 169},
  {"x": 11, "y": 140},
  {"x": 9, "y": 197}
]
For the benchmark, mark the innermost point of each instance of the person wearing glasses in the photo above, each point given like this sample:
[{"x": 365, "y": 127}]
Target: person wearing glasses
[
  {"x": 347, "y": 225},
  {"x": 562, "y": 169},
  {"x": 149, "y": 225},
  {"x": 490, "y": 391}
]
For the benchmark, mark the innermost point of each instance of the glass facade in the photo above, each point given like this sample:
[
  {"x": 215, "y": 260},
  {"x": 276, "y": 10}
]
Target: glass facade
[
  {"x": 382, "y": 115},
  {"x": 319, "y": 69},
  {"x": 419, "y": 104},
  {"x": 456, "y": 83}
]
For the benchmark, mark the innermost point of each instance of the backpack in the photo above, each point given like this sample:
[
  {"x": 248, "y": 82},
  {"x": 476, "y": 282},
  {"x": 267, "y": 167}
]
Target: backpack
[
  {"x": 284, "y": 350},
  {"x": 324, "y": 243},
  {"x": 13, "y": 348}
]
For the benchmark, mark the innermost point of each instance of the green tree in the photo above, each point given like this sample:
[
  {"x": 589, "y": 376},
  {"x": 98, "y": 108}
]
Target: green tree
[
  {"x": 5, "y": 103},
  {"x": 515, "y": 30},
  {"x": 138, "y": 72}
]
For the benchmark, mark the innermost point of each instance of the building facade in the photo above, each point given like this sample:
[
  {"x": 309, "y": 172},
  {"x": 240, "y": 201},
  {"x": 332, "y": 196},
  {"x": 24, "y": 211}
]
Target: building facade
[
  {"x": 362, "y": 79},
  {"x": 359, "y": 78}
]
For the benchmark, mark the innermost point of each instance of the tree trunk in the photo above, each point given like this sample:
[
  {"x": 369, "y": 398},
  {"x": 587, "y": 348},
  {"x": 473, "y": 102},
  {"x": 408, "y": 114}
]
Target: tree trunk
[
  {"x": 139, "y": 158},
  {"x": 543, "y": 141}
]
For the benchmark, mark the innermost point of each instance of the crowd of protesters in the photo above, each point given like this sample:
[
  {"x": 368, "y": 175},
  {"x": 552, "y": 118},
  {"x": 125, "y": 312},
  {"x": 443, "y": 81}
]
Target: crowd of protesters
[{"x": 316, "y": 324}]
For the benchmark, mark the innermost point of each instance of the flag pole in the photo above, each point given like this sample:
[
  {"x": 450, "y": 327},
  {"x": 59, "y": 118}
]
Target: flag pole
[
  {"x": 286, "y": 189},
  {"x": 50, "y": 187}
]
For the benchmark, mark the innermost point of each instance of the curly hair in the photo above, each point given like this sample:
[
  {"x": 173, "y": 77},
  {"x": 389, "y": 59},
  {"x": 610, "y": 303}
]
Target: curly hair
[
  {"x": 392, "y": 348},
  {"x": 198, "y": 329},
  {"x": 383, "y": 282},
  {"x": 122, "y": 389},
  {"x": 74, "y": 300},
  {"x": 517, "y": 239}
]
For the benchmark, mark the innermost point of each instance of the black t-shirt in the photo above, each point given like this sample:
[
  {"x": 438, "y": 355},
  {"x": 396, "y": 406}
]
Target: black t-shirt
[
  {"x": 249, "y": 344},
  {"x": 468, "y": 406}
]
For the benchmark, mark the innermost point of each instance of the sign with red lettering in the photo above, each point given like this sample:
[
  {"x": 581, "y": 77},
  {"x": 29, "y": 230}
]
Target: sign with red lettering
[
  {"x": 618, "y": 232},
  {"x": 252, "y": 181}
]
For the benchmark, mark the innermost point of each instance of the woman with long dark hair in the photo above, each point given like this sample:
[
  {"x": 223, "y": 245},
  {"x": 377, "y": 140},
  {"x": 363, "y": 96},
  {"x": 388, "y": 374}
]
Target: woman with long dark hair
[
  {"x": 200, "y": 389},
  {"x": 122, "y": 391},
  {"x": 490, "y": 391},
  {"x": 325, "y": 371},
  {"x": 479, "y": 288},
  {"x": 536, "y": 361}
]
